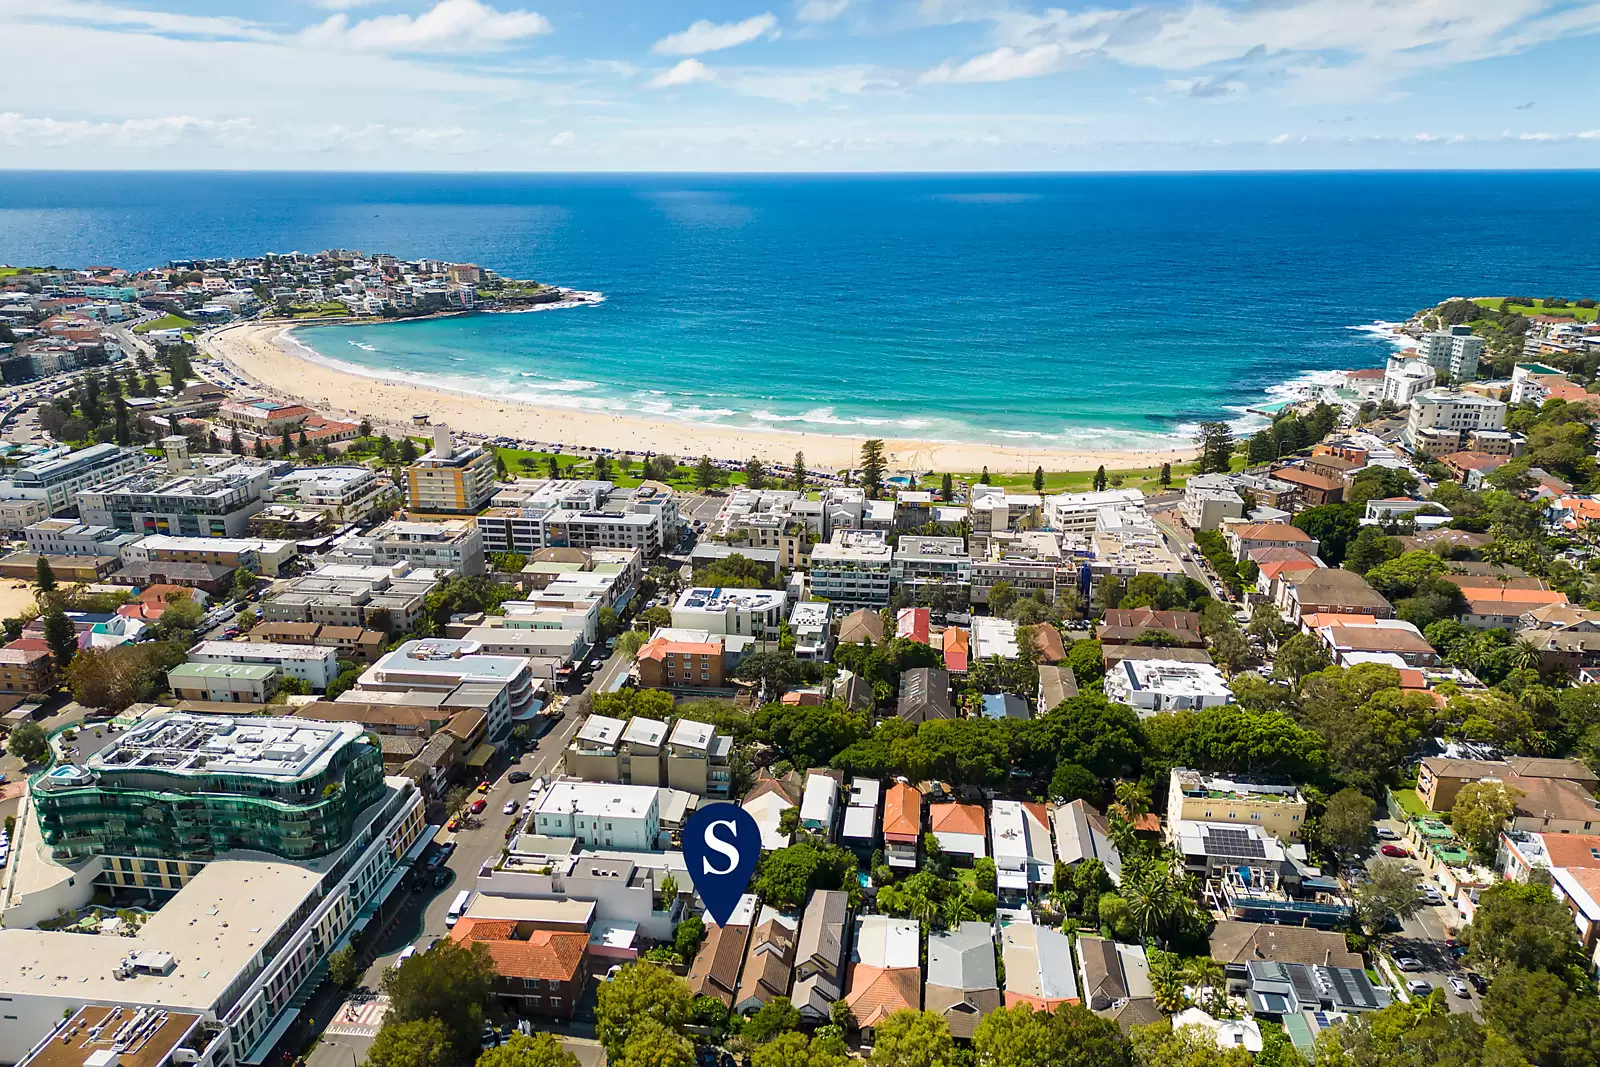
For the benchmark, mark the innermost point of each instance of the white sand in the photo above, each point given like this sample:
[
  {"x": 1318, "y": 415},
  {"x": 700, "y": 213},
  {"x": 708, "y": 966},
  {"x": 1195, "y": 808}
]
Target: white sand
[{"x": 254, "y": 350}]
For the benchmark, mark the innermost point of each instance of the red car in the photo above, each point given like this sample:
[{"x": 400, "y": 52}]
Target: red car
[
  {"x": 1396, "y": 851},
  {"x": 478, "y": 805}
]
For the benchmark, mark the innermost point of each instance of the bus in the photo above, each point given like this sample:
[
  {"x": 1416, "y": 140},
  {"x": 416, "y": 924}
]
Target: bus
[{"x": 457, "y": 906}]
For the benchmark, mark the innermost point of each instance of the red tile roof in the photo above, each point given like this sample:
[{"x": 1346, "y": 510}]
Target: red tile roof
[
  {"x": 902, "y": 812},
  {"x": 553, "y": 955},
  {"x": 956, "y": 650},
  {"x": 957, "y": 819}
]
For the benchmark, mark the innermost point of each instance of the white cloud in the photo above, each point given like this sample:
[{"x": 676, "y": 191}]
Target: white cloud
[
  {"x": 564, "y": 139},
  {"x": 687, "y": 72},
  {"x": 20, "y": 131},
  {"x": 449, "y": 26},
  {"x": 96, "y": 14},
  {"x": 708, "y": 36},
  {"x": 344, "y": 5},
  {"x": 806, "y": 86},
  {"x": 820, "y": 10},
  {"x": 1002, "y": 65}
]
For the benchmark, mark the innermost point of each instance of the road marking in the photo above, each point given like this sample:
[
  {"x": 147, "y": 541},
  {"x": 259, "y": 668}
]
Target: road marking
[{"x": 359, "y": 1018}]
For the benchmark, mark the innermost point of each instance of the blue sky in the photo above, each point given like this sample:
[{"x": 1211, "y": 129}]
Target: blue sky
[{"x": 798, "y": 85}]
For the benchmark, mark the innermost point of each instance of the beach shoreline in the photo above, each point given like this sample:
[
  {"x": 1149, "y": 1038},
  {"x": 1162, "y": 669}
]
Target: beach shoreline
[{"x": 260, "y": 353}]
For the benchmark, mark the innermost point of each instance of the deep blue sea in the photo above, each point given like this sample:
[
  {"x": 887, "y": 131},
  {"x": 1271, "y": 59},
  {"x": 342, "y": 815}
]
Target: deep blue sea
[{"x": 1087, "y": 310}]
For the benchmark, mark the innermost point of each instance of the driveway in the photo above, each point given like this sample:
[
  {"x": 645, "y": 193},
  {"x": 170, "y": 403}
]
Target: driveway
[{"x": 1423, "y": 938}]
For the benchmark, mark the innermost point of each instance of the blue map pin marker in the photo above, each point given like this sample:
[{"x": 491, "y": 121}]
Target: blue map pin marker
[{"x": 722, "y": 845}]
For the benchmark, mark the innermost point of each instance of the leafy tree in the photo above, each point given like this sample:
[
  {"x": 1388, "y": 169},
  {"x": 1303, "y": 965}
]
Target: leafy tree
[
  {"x": 1299, "y": 656},
  {"x": 776, "y": 1016},
  {"x": 755, "y": 473},
  {"x": 343, "y": 967},
  {"x": 1347, "y": 820},
  {"x": 1160, "y": 1045},
  {"x": 1418, "y": 1034},
  {"x": 1072, "y": 782},
  {"x": 640, "y": 995},
  {"x": 734, "y": 571},
  {"x": 797, "y": 1050},
  {"x": 688, "y": 934},
  {"x": 1334, "y": 526},
  {"x": 1545, "y": 1017},
  {"x": 1521, "y": 925},
  {"x": 1370, "y": 548},
  {"x": 28, "y": 743},
  {"x": 1105, "y": 738},
  {"x": 114, "y": 678},
  {"x": 1001, "y": 597},
  {"x": 872, "y": 466},
  {"x": 61, "y": 636},
  {"x": 1070, "y": 1036},
  {"x": 414, "y": 1043},
  {"x": 1234, "y": 739},
  {"x": 1038, "y": 479},
  {"x": 44, "y": 576},
  {"x": 947, "y": 488},
  {"x": 626, "y": 703},
  {"x": 787, "y": 878},
  {"x": 1389, "y": 893},
  {"x": 1100, "y": 480},
  {"x": 523, "y": 1050},
  {"x": 1481, "y": 808},
  {"x": 797, "y": 474},
  {"x": 649, "y": 1044},
  {"x": 912, "y": 1039},
  {"x": 450, "y": 984},
  {"x": 1086, "y": 658}
]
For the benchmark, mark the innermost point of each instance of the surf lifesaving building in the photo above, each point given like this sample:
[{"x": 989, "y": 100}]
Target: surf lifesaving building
[{"x": 249, "y": 851}]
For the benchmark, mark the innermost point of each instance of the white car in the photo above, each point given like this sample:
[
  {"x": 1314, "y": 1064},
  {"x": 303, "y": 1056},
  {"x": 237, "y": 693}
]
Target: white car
[
  {"x": 1418, "y": 988},
  {"x": 510, "y": 808},
  {"x": 1387, "y": 834},
  {"x": 1459, "y": 988},
  {"x": 1408, "y": 963}
]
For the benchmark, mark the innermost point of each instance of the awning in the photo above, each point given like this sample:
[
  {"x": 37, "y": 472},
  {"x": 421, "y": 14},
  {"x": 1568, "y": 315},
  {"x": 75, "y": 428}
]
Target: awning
[
  {"x": 418, "y": 846},
  {"x": 481, "y": 755}
]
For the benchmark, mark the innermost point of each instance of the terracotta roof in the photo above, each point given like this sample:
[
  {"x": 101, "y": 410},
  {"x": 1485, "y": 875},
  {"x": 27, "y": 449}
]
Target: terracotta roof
[
  {"x": 1289, "y": 566},
  {"x": 769, "y": 964},
  {"x": 1365, "y": 374},
  {"x": 902, "y": 811},
  {"x": 1047, "y": 639},
  {"x": 957, "y": 819},
  {"x": 1299, "y": 476},
  {"x": 1474, "y": 461},
  {"x": 553, "y": 955},
  {"x": 1500, "y": 601},
  {"x": 1378, "y": 639},
  {"x": 1270, "y": 531},
  {"x": 874, "y": 993},
  {"x": 957, "y": 649},
  {"x": 660, "y": 647},
  {"x": 1572, "y": 850},
  {"x": 1150, "y": 619}
]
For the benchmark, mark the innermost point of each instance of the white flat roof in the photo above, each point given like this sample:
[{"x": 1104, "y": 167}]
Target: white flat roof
[
  {"x": 888, "y": 943},
  {"x": 643, "y": 731},
  {"x": 597, "y": 798}
]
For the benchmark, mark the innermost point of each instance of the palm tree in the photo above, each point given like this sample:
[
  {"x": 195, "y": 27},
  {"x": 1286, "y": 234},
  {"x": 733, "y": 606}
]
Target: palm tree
[
  {"x": 957, "y": 909},
  {"x": 1525, "y": 655},
  {"x": 1166, "y": 982},
  {"x": 1205, "y": 973},
  {"x": 1148, "y": 897}
]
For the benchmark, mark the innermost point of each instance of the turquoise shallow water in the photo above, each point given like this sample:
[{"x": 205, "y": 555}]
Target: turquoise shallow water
[{"x": 1103, "y": 310}]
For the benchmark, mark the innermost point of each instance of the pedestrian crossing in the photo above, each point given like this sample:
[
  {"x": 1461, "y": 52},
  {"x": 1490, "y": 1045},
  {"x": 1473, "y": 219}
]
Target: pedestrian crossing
[{"x": 359, "y": 1018}]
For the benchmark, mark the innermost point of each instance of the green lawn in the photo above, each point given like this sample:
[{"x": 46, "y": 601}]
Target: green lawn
[
  {"x": 1576, "y": 313},
  {"x": 165, "y": 322},
  {"x": 576, "y": 467},
  {"x": 1412, "y": 804}
]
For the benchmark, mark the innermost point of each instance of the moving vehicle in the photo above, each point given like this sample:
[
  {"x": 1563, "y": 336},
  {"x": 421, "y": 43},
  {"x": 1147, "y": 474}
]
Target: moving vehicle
[
  {"x": 457, "y": 906},
  {"x": 1419, "y": 988},
  {"x": 1387, "y": 834},
  {"x": 1395, "y": 851},
  {"x": 511, "y": 806},
  {"x": 1408, "y": 963},
  {"x": 1459, "y": 988},
  {"x": 518, "y": 776},
  {"x": 478, "y": 806},
  {"x": 484, "y": 787},
  {"x": 1479, "y": 982},
  {"x": 406, "y": 953}
]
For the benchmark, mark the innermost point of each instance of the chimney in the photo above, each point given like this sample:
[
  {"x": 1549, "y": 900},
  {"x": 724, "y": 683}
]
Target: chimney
[
  {"x": 177, "y": 448},
  {"x": 443, "y": 447}
]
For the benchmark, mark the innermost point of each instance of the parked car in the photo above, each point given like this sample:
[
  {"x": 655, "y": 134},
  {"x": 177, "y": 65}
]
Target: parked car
[
  {"x": 518, "y": 776},
  {"x": 1387, "y": 834},
  {"x": 478, "y": 806},
  {"x": 1479, "y": 982},
  {"x": 1459, "y": 988},
  {"x": 1395, "y": 851},
  {"x": 1408, "y": 963},
  {"x": 484, "y": 787},
  {"x": 453, "y": 825},
  {"x": 1419, "y": 988}
]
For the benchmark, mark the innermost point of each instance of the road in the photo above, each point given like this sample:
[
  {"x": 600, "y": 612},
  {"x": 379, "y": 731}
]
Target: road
[{"x": 1423, "y": 938}]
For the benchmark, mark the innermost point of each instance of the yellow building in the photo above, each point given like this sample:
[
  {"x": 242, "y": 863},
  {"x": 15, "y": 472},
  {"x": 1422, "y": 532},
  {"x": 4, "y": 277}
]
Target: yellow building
[
  {"x": 451, "y": 479},
  {"x": 1195, "y": 796}
]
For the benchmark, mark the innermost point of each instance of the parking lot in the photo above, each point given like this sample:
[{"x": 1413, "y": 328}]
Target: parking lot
[{"x": 1426, "y": 938}]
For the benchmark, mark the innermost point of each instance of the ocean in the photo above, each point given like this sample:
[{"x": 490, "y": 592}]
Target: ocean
[{"x": 1088, "y": 311}]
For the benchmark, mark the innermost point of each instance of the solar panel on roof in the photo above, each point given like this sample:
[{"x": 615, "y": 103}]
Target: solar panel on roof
[{"x": 1229, "y": 842}]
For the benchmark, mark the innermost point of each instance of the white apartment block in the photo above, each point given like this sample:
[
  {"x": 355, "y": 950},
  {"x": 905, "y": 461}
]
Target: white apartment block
[
  {"x": 1154, "y": 686},
  {"x": 1442, "y": 420},
  {"x": 1079, "y": 512},
  {"x": 600, "y": 815},
  {"x": 853, "y": 570},
  {"x": 1453, "y": 353},
  {"x": 66, "y": 537},
  {"x": 345, "y": 494},
  {"x": 921, "y": 563},
  {"x": 316, "y": 665},
  {"x": 454, "y": 546},
  {"x": 61, "y": 473},
  {"x": 533, "y": 515},
  {"x": 1208, "y": 499},
  {"x": 992, "y": 511},
  {"x": 811, "y": 625},
  {"x": 1404, "y": 378},
  {"x": 730, "y": 612}
]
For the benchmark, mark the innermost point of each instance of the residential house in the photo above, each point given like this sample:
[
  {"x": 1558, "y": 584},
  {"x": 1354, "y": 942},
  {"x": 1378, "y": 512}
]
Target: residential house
[
  {"x": 1332, "y": 590},
  {"x": 1196, "y": 796},
  {"x": 885, "y": 972},
  {"x": 1020, "y": 845},
  {"x": 1279, "y": 990},
  {"x": 1056, "y": 684},
  {"x": 1123, "y": 626},
  {"x": 1112, "y": 972},
  {"x": 961, "y": 985},
  {"x": 768, "y": 966},
  {"x": 1152, "y": 686},
  {"x": 1082, "y": 833},
  {"x": 1038, "y": 961},
  {"x": 957, "y": 649},
  {"x": 819, "y": 960},
  {"x": 925, "y": 695},
  {"x": 819, "y": 804},
  {"x": 902, "y": 825},
  {"x": 861, "y": 626},
  {"x": 538, "y": 972},
  {"x": 1236, "y": 944},
  {"x": 766, "y": 802},
  {"x": 860, "y": 828},
  {"x": 1244, "y": 537},
  {"x": 914, "y": 624},
  {"x": 960, "y": 829}
]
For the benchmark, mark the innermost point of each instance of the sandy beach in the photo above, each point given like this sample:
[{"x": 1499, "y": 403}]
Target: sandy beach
[{"x": 257, "y": 352}]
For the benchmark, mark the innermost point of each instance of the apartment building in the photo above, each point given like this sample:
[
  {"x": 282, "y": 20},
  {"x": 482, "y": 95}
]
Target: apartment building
[
  {"x": 343, "y": 494},
  {"x": 599, "y": 815},
  {"x": 854, "y": 569},
  {"x": 923, "y": 564},
  {"x": 443, "y": 665},
  {"x": 811, "y": 626},
  {"x": 1080, "y": 512},
  {"x": 67, "y": 537},
  {"x": 1029, "y": 563},
  {"x": 1443, "y": 421},
  {"x": 60, "y": 474},
  {"x": 455, "y": 546},
  {"x": 534, "y": 514},
  {"x": 1151, "y": 687},
  {"x": 314, "y": 665},
  {"x": 1209, "y": 500},
  {"x": 223, "y": 683},
  {"x": 386, "y": 599},
  {"x": 755, "y": 613},
  {"x": 765, "y": 519},
  {"x": 449, "y": 478},
  {"x": 263, "y": 557},
  {"x": 1452, "y": 353},
  {"x": 1198, "y": 797},
  {"x": 1404, "y": 378},
  {"x": 188, "y": 503},
  {"x": 670, "y": 663}
]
